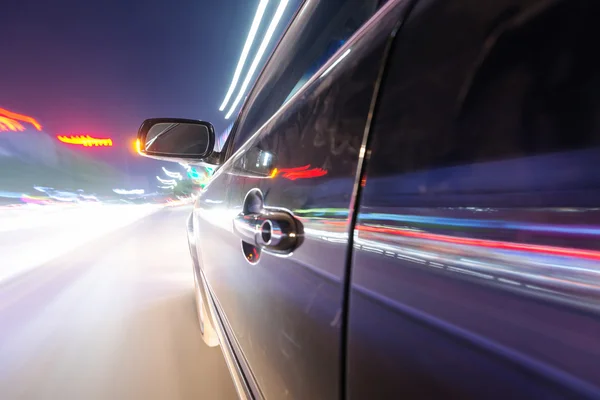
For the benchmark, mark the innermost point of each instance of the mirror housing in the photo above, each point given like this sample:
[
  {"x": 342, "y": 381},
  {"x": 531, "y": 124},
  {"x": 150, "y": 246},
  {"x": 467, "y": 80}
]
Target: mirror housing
[{"x": 176, "y": 139}]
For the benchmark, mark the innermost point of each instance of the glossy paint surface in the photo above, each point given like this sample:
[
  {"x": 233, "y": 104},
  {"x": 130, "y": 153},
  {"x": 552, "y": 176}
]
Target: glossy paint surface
[
  {"x": 476, "y": 263},
  {"x": 285, "y": 312}
]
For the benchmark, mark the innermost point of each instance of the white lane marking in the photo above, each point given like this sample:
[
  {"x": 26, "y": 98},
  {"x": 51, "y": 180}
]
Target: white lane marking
[
  {"x": 509, "y": 281},
  {"x": 466, "y": 271},
  {"x": 436, "y": 265},
  {"x": 372, "y": 250},
  {"x": 543, "y": 289},
  {"x": 409, "y": 258}
]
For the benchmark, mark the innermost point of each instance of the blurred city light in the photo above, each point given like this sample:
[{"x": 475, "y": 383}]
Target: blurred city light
[
  {"x": 137, "y": 146},
  {"x": 13, "y": 119},
  {"x": 249, "y": 40},
  {"x": 192, "y": 173},
  {"x": 86, "y": 141},
  {"x": 259, "y": 54}
]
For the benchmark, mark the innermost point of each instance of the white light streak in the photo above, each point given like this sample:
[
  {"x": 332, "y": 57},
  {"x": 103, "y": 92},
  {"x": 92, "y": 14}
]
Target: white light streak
[
  {"x": 259, "y": 54},
  {"x": 186, "y": 166},
  {"x": 303, "y": 8},
  {"x": 336, "y": 62},
  {"x": 170, "y": 174},
  {"x": 167, "y": 181},
  {"x": 125, "y": 192},
  {"x": 249, "y": 40}
]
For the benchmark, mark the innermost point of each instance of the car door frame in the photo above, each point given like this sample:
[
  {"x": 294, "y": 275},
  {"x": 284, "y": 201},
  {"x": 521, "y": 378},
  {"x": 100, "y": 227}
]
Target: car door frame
[{"x": 361, "y": 176}]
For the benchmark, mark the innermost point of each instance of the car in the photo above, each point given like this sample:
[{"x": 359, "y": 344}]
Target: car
[{"x": 418, "y": 218}]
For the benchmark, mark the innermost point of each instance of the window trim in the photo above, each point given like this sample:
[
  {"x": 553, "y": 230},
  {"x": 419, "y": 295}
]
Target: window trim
[{"x": 227, "y": 155}]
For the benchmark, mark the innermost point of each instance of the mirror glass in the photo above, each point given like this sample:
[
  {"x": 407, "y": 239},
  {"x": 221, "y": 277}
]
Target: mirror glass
[
  {"x": 257, "y": 162},
  {"x": 179, "y": 138}
]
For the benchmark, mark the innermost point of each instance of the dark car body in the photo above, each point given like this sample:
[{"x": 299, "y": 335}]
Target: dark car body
[{"x": 441, "y": 173}]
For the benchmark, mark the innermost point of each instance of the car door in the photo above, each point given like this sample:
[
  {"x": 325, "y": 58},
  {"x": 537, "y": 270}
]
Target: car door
[
  {"x": 295, "y": 150},
  {"x": 475, "y": 269}
]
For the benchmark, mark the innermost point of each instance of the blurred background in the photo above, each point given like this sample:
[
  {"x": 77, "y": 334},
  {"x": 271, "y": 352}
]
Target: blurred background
[{"x": 96, "y": 286}]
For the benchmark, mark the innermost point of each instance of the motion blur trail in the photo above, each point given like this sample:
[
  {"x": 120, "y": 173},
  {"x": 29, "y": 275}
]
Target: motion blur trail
[{"x": 113, "y": 318}]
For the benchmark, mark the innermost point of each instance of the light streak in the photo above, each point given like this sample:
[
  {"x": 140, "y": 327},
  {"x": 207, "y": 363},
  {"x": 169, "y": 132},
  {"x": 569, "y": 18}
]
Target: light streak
[
  {"x": 34, "y": 199},
  {"x": 88, "y": 197},
  {"x": 170, "y": 174},
  {"x": 167, "y": 181},
  {"x": 126, "y": 192},
  {"x": 20, "y": 117},
  {"x": 304, "y": 172},
  {"x": 259, "y": 54},
  {"x": 249, "y": 40},
  {"x": 186, "y": 166},
  {"x": 7, "y": 124},
  {"x": 486, "y": 243},
  {"x": 336, "y": 62},
  {"x": 86, "y": 141}
]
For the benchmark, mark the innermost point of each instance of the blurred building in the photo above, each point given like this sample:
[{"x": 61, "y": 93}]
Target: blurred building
[{"x": 31, "y": 158}]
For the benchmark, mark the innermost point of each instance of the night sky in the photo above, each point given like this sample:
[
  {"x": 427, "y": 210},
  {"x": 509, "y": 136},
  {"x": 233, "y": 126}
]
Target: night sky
[{"x": 100, "y": 67}]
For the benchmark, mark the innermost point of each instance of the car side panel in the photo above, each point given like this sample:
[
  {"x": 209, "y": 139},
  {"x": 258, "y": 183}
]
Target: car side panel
[{"x": 286, "y": 312}]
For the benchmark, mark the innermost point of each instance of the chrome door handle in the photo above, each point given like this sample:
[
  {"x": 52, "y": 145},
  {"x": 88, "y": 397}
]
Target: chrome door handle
[{"x": 272, "y": 230}]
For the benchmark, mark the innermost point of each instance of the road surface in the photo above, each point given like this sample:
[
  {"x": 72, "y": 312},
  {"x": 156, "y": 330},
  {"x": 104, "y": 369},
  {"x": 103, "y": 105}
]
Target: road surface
[{"x": 112, "y": 319}]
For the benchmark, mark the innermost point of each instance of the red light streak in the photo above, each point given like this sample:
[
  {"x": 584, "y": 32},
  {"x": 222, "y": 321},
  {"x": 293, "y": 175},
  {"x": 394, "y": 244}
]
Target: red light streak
[
  {"x": 298, "y": 172},
  {"x": 86, "y": 141},
  {"x": 492, "y": 244},
  {"x": 532, "y": 248},
  {"x": 11, "y": 121}
]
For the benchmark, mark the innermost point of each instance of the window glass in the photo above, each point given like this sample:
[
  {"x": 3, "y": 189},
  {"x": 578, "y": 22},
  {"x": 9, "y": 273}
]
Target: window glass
[
  {"x": 318, "y": 31},
  {"x": 537, "y": 91},
  {"x": 532, "y": 89}
]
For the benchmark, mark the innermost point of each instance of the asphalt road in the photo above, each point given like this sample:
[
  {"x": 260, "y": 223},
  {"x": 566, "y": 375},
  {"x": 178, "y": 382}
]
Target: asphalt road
[{"x": 113, "y": 319}]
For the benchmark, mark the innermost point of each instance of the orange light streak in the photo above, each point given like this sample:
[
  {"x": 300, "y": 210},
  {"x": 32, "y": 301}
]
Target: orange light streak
[
  {"x": 7, "y": 124},
  {"x": 138, "y": 146},
  {"x": 20, "y": 117},
  {"x": 86, "y": 141}
]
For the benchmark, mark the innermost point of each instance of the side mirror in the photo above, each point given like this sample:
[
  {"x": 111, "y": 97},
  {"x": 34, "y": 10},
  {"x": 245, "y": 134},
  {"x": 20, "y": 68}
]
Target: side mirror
[
  {"x": 175, "y": 139},
  {"x": 257, "y": 162}
]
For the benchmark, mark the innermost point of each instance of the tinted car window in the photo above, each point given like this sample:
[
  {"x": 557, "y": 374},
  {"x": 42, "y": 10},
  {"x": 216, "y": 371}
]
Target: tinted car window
[
  {"x": 532, "y": 89},
  {"x": 318, "y": 31}
]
